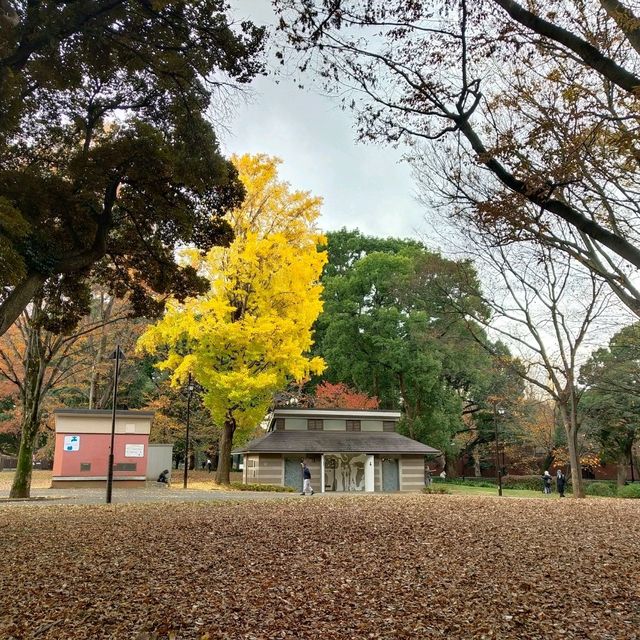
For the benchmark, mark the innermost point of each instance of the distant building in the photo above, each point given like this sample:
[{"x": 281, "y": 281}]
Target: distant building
[{"x": 346, "y": 450}]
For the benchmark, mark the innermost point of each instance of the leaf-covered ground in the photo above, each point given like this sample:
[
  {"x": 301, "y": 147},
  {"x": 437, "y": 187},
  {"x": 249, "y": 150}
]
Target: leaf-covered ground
[
  {"x": 418, "y": 566},
  {"x": 39, "y": 479}
]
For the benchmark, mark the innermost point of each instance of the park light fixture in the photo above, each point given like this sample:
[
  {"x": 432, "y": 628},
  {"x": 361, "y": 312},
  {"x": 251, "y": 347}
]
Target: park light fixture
[{"x": 117, "y": 355}]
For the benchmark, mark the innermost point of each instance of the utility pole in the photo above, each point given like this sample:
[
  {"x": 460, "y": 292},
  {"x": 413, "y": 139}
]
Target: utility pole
[
  {"x": 190, "y": 388},
  {"x": 498, "y": 470},
  {"x": 117, "y": 355}
]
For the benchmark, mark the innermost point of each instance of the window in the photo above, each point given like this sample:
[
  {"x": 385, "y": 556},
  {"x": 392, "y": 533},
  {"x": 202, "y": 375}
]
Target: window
[
  {"x": 315, "y": 425},
  {"x": 353, "y": 425},
  {"x": 279, "y": 426},
  {"x": 389, "y": 425},
  {"x": 85, "y": 466}
]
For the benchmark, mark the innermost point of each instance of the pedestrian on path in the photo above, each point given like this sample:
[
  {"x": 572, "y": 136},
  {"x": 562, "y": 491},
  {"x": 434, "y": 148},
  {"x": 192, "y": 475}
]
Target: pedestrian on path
[
  {"x": 546, "y": 481},
  {"x": 561, "y": 482},
  {"x": 306, "y": 477}
]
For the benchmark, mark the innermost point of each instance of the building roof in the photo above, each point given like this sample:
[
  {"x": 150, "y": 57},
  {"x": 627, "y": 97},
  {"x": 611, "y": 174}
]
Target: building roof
[
  {"x": 99, "y": 413},
  {"x": 371, "y": 414},
  {"x": 335, "y": 442}
]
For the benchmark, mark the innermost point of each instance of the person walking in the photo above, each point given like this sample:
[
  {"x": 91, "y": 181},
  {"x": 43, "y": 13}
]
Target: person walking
[
  {"x": 561, "y": 482},
  {"x": 209, "y": 465},
  {"x": 546, "y": 481},
  {"x": 306, "y": 477}
]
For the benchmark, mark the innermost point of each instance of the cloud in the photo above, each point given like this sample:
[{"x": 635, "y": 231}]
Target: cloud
[{"x": 363, "y": 186}]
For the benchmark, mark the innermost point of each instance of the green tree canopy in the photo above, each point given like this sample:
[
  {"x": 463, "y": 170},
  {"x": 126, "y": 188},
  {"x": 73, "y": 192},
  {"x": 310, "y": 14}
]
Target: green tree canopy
[
  {"x": 394, "y": 326},
  {"x": 611, "y": 402},
  {"x": 107, "y": 160}
]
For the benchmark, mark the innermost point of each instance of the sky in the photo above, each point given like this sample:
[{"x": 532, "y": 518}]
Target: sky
[{"x": 367, "y": 187}]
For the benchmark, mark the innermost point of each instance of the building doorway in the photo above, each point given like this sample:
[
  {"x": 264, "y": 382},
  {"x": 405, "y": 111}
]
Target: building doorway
[
  {"x": 293, "y": 473},
  {"x": 344, "y": 472},
  {"x": 390, "y": 475}
]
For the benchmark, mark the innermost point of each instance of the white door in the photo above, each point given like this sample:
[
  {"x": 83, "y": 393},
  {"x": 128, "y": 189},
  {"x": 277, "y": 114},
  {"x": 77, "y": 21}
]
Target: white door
[{"x": 369, "y": 474}]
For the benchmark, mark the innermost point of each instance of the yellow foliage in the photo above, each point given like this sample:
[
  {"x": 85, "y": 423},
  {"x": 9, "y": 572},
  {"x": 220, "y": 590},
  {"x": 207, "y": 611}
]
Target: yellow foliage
[{"x": 248, "y": 336}]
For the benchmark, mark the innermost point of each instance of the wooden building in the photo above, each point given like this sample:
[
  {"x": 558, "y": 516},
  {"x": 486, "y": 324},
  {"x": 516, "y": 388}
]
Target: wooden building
[{"x": 345, "y": 450}]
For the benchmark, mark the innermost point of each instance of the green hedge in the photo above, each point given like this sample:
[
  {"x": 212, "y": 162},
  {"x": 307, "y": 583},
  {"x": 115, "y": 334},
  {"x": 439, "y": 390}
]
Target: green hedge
[
  {"x": 467, "y": 482},
  {"x": 600, "y": 489},
  {"x": 629, "y": 491},
  {"x": 239, "y": 486},
  {"x": 605, "y": 488},
  {"x": 533, "y": 483}
]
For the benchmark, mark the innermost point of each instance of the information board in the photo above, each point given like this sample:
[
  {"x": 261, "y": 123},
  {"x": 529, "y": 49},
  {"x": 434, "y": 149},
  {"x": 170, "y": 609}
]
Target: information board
[{"x": 134, "y": 451}]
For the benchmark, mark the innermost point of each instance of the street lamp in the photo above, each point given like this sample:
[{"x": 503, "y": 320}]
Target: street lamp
[
  {"x": 498, "y": 470},
  {"x": 190, "y": 388},
  {"x": 117, "y": 355}
]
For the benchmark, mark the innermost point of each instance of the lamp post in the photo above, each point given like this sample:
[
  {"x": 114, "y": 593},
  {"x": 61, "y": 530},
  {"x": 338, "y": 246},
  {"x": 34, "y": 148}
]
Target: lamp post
[
  {"x": 498, "y": 470},
  {"x": 117, "y": 355},
  {"x": 190, "y": 388}
]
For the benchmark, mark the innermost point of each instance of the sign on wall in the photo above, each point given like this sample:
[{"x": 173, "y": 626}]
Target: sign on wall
[
  {"x": 134, "y": 451},
  {"x": 72, "y": 443}
]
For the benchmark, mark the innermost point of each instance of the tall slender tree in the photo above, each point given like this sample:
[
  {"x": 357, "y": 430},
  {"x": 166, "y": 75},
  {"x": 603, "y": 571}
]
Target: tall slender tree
[
  {"x": 42, "y": 352},
  {"x": 547, "y": 308},
  {"x": 249, "y": 335}
]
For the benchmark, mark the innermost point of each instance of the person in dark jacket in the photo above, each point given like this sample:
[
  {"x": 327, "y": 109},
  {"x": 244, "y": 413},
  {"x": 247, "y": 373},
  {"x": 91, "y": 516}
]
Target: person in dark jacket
[
  {"x": 561, "y": 482},
  {"x": 306, "y": 476},
  {"x": 164, "y": 477}
]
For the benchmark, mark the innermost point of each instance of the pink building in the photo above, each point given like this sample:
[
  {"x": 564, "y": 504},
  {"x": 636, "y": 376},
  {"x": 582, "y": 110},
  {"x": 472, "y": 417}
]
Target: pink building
[{"x": 83, "y": 438}]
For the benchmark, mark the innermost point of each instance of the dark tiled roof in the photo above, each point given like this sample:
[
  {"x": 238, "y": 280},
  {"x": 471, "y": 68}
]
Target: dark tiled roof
[{"x": 335, "y": 442}]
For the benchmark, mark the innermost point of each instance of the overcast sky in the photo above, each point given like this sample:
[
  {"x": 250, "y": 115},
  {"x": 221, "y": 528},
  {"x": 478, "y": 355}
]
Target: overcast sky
[{"x": 364, "y": 186}]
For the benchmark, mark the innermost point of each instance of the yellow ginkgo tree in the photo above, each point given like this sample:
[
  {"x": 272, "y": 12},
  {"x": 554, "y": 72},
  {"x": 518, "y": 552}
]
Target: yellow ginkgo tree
[{"x": 251, "y": 333}]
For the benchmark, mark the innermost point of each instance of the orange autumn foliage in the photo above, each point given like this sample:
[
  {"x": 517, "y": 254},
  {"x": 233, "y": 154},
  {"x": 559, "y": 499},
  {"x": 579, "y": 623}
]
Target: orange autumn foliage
[{"x": 340, "y": 396}]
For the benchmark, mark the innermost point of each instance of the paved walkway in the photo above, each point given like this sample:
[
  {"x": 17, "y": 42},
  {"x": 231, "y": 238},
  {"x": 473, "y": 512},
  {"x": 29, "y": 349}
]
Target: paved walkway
[{"x": 151, "y": 493}]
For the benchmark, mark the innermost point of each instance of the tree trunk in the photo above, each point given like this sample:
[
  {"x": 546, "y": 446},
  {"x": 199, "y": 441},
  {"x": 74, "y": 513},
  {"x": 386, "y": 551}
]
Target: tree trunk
[
  {"x": 21, "y": 487},
  {"x": 574, "y": 459},
  {"x": 477, "y": 470},
  {"x": 224, "y": 459},
  {"x": 623, "y": 465},
  {"x": 450, "y": 466},
  {"x": 407, "y": 407},
  {"x": 18, "y": 299},
  {"x": 31, "y": 394},
  {"x": 98, "y": 359}
]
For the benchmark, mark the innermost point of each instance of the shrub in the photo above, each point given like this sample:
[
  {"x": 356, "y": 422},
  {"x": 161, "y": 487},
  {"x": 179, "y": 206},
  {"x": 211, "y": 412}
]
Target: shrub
[
  {"x": 533, "y": 483},
  {"x": 600, "y": 489},
  {"x": 629, "y": 491},
  {"x": 468, "y": 482},
  {"x": 239, "y": 486},
  {"x": 435, "y": 489}
]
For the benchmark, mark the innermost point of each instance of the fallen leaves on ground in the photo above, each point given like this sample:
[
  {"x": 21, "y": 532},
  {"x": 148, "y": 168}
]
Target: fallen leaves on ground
[
  {"x": 40, "y": 479},
  {"x": 419, "y": 566}
]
